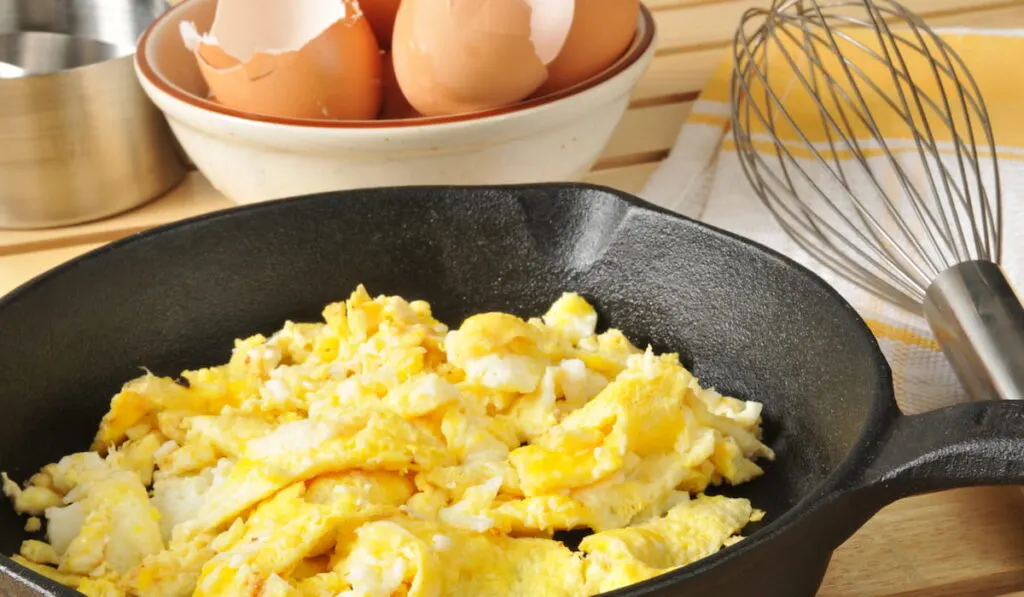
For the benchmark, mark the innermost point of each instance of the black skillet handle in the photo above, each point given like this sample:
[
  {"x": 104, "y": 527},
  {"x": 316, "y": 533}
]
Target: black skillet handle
[{"x": 977, "y": 443}]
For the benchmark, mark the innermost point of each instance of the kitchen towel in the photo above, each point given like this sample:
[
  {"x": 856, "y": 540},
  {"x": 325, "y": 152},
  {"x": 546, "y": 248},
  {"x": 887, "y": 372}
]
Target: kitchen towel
[{"x": 702, "y": 178}]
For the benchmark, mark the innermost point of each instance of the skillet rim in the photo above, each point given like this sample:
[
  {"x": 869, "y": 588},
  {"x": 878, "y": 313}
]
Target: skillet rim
[{"x": 882, "y": 408}]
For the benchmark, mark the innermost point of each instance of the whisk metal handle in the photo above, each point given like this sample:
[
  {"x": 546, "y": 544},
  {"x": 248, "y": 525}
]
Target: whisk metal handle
[{"x": 979, "y": 322}]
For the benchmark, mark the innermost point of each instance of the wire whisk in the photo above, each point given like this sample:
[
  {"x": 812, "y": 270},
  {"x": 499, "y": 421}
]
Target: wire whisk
[{"x": 866, "y": 136}]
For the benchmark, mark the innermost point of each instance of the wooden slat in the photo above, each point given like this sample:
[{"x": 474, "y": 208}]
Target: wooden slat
[
  {"x": 644, "y": 135},
  {"x": 656, "y": 5},
  {"x": 961, "y": 543},
  {"x": 193, "y": 196},
  {"x": 676, "y": 77},
  {"x": 627, "y": 178},
  {"x": 1007, "y": 17}
]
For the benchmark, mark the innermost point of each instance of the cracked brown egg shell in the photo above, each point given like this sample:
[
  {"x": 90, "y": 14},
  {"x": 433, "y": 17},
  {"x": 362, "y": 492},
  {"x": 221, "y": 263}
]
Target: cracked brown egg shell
[{"x": 301, "y": 59}]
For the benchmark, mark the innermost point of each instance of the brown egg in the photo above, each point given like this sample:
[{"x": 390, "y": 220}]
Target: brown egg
[
  {"x": 455, "y": 56},
  {"x": 601, "y": 32},
  {"x": 396, "y": 107},
  {"x": 381, "y": 14},
  {"x": 317, "y": 60}
]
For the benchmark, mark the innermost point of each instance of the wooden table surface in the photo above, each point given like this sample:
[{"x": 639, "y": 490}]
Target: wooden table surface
[{"x": 962, "y": 543}]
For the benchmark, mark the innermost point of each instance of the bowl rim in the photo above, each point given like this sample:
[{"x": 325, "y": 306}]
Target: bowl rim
[{"x": 640, "y": 45}]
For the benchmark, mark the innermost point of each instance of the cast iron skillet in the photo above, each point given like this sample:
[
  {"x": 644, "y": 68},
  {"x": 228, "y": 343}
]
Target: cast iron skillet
[{"x": 747, "y": 321}]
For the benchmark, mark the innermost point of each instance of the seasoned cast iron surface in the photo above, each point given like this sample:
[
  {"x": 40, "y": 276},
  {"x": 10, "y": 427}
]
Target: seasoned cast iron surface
[{"x": 746, "y": 321}]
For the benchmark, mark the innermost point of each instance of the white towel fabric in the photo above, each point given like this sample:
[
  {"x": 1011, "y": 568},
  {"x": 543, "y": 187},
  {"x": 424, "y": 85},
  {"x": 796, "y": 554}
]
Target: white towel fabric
[{"x": 702, "y": 178}]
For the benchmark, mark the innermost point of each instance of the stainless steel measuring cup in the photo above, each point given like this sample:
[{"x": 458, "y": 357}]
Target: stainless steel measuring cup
[{"x": 79, "y": 140}]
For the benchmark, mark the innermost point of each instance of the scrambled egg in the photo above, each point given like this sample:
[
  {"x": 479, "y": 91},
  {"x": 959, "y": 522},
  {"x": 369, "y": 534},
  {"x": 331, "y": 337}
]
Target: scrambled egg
[{"x": 377, "y": 453}]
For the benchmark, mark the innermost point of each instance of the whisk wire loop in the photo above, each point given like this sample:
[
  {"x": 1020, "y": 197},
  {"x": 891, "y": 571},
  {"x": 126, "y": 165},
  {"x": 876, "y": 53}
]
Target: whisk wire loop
[
  {"x": 889, "y": 211},
  {"x": 786, "y": 160},
  {"x": 863, "y": 111}
]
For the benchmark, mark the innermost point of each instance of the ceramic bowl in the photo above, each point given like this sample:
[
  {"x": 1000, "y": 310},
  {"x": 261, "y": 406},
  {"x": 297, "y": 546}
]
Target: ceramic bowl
[{"x": 251, "y": 158}]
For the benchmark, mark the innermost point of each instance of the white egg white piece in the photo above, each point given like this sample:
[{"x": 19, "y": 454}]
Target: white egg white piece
[{"x": 550, "y": 22}]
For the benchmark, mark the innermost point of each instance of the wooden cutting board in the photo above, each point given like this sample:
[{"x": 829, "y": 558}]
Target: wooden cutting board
[{"x": 960, "y": 543}]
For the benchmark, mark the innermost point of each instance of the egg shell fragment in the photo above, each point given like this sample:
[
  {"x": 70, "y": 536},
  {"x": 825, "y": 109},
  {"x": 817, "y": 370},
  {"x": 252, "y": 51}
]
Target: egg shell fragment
[
  {"x": 458, "y": 56},
  {"x": 300, "y": 59},
  {"x": 550, "y": 23}
]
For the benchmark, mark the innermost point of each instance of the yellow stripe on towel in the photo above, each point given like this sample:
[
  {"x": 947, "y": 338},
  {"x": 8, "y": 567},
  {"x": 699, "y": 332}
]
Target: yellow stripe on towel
[{"x": 902, "y": 335}]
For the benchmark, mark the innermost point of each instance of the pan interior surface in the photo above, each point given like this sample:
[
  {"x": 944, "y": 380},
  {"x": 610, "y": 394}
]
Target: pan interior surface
[{"x": 745, "y": 321}]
